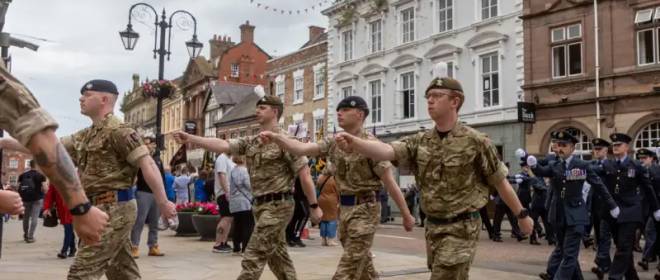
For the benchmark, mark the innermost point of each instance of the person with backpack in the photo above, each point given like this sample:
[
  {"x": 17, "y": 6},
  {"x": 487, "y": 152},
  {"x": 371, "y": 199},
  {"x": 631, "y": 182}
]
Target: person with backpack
[
  {"x": 31, "y": 189},
  {"x": 329, "y": 203}
]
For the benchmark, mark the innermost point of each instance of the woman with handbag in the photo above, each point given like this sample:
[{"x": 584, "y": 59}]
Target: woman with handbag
[{"x": 54, "y": 197}]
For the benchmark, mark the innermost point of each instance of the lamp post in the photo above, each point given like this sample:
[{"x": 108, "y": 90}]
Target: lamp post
[{"x": 129, "y": 39}]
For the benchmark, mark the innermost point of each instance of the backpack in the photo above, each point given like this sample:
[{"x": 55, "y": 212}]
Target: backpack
[{"x": 27, "y": 188}]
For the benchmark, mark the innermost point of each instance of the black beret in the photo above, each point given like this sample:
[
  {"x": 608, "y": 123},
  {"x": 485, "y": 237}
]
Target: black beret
[
  {"x": 564, "y": 136},
  {"x": 445, "y": 83},
  {"x": 600, "y": 143},
  {"x": 100, "y": 86},
  {"x": 620, "y": 138},
  {"x": 353, "y": 102},
  {"x": 270, "y": 100},
  {"x": 645, "y": 152}
]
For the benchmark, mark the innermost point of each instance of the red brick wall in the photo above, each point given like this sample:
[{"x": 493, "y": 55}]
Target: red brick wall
[
  {"x": 7, "y": 172},
  {"x": 252, "y": 64}
]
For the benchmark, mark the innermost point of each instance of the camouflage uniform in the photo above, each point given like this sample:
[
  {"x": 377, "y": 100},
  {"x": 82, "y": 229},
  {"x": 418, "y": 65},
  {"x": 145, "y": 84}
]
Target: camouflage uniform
[
  {"x": 356, "y": 175},
  {"x": 454, "y": 174},
  {"x": 271, "y": 171},
  {"x": 106, "y": 155},
  {"x": 20, "y": 113}
]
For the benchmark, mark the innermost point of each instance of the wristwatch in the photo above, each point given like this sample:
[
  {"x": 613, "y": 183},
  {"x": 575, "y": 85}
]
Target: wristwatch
[
  {"x": 314, "y": 205},
  {"x": 524, "y": 213},
  {"x": 81, "y": 209}
]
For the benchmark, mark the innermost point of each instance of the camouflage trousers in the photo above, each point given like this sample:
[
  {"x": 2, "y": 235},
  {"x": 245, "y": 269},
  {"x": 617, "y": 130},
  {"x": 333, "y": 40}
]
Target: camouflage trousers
[
  {"x": 357, "y": 227},
  {"x": 111, "y": 256},
  {"x": 267, "y": 244},
  {"x": 450, "y": 248}
]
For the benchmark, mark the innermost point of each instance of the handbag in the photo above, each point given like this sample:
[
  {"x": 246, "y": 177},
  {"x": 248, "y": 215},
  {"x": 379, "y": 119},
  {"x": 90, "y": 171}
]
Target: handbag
[{"x": 51, "y": 221}]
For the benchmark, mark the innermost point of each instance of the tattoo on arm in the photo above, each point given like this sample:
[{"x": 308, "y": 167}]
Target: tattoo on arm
[{"x": 60, "y": 170}]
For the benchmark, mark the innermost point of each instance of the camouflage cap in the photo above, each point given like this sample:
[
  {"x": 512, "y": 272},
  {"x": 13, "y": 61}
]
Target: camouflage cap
[
  {"x": 445, "y": 83},
  {"x": 270, "y": 100}
]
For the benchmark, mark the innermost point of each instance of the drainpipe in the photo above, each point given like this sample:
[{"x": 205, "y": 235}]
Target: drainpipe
[{"x": 597, "y": 59}]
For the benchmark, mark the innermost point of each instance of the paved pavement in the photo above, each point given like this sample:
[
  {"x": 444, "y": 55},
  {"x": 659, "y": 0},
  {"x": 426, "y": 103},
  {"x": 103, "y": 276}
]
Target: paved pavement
[{"x": 399, "y": 255}]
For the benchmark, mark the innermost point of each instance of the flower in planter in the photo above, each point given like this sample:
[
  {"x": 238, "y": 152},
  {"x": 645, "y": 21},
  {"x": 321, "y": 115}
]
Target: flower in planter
[
  {"x": 158, "y": 88},
  {"x": 208, "y": 208},
  {"x": 189, "y": 207}
]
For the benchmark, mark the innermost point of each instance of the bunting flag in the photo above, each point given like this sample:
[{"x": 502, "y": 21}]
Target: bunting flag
[
  {"x": 179, "y": 157},
  {"x": 281, "y": 11}
]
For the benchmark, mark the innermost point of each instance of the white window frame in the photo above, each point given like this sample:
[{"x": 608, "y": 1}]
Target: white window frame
[
  {"x": 13, "y": 163},
  {"x": 412, "y": 100},
  {"x": 376, "y": 112},
  {"x": 280, "y": 89},
  {"x": 407, "y": 28},
  {"x": 27, "y": 164},
  {"x": 347, "y": 45},
  {"x": 319, "y": 81},
  {"x": 490, "y": 9},
  {"x": 654, "y": 38},
  {"x": 448, "y": 23},
  {"x": 235, "y": 70},
  {"x": 645, "y": 136},
  {"x": 376, "y": 37},
  {"x": 13, "y": 180},
  {"x": 565, "y": 42},
  {"x": 298, "y": 86},
  {"x": 482, "y": 75},
  {"x": 345, "y": 91},
  {"x": 638, "y": 15},
  {"x": 318, "y": 115}
]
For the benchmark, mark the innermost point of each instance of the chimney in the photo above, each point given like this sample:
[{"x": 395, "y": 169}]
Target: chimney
[
  {"x": 136, "y": 81},
  {"x": 219, "y": 44},
  {"x": 247, "y": 32},
  {"x": 315, "y": 32}
]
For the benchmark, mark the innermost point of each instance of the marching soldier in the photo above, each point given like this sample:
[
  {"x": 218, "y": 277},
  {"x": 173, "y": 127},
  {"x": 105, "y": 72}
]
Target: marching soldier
[
  {"x": 536, "y": 191},
  {"x": 626, "y": 179},
  {"x": 358, "y": 181},
  {"x": 454, "y": 165},
  {"x": 272, "y": 172},
  {"x": 601, "y": 227},
  {"x": 646, "y": 157},
  {"x": 568, "y": 211}
]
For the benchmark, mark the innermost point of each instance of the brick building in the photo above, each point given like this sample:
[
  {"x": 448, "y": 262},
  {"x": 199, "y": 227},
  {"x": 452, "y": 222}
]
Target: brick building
[
  {"x": 300, "y": 80},
  {"x": 13, "y": 164},
  {"x": 139, "y": 111},
  {"x": 245, "y": 62},
  {"x": 560, "y": 77}
]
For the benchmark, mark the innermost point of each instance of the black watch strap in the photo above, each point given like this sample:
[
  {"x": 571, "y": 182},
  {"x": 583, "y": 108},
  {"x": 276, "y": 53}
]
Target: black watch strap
[
  {"x": 314, "y": 205},
  {"x": 81, "y": 209},
  {"x": 524, "y": 213}
]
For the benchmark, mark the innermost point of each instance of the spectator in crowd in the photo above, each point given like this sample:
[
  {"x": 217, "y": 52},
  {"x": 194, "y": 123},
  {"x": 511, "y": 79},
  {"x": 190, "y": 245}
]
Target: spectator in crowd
[
  {"x": 31, "y": 189},
  {"x": 53, "y": 198},
  {"x": 300, "y": 216},
  {"x": 223, "y": 167},
  {"x": 240, "y": 205},
  {"x": 329, "y": 203},
  {"x": 147, "y": 210},
  {"x": 181, "y": 183},
  {"x": 169, "y": 185},
  {"x": 200, "y": 191}
]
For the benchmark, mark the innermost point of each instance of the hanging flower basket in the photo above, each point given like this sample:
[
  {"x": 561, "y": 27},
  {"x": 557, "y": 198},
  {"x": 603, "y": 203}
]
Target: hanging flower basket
[{"x": 158, "y": 89}]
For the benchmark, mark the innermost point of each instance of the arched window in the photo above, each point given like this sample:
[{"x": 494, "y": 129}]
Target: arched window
[
  {"x": 648, "y": 135},
  {"x": 583, "y": 147}
]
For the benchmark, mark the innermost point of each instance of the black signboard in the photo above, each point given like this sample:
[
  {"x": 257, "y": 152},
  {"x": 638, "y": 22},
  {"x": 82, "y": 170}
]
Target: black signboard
[{"x": 526, "y": 112}]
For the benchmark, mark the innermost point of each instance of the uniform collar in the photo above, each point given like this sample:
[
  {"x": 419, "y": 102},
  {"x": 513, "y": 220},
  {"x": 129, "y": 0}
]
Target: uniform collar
[
  {"x": 103, "y": 122},
  {"x": 456, "y": 131}
]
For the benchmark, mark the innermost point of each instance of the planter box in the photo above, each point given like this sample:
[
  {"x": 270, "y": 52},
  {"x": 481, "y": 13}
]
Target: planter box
[
  {"x": 186, "y": 227},
  {"x": 205, "y": 226}
]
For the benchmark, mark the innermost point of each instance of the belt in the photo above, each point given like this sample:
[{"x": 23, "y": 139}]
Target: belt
[
  {"x": 272, "y": 197},
  {"x": 357, "y": 199},
  {"x": 112, "y": 197},
  {"x": 457, "y": 218}
]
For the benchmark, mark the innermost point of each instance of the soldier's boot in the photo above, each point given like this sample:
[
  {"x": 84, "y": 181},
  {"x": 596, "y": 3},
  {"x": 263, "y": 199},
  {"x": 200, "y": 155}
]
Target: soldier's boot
[
  {"x": 135, "y": 252},
  {"x": 544, "y": 276},
  {"x": 154, "y": 251},
  {"x": 644, "y": 264}
]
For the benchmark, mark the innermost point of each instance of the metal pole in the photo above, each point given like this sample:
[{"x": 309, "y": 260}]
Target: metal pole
[
  {"x": 161, "y": 72},
  {"x": 5, "y": 58},
  {"x": 596, "y": 47}
]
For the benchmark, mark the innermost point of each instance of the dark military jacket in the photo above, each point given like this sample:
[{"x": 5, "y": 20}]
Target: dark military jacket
[
  {"x": 654, "y": 176},
  {"x": 629, "y": 184},
  {"x": 567, "y": 205}
]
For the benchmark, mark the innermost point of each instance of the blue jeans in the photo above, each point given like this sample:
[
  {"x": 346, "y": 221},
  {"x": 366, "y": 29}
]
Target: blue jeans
[
  {"x": 69, "y": 239},
  {"x": 328, "y": 229}
]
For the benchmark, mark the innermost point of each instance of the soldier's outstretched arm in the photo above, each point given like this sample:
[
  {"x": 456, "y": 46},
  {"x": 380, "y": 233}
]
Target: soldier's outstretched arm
[
  {"x": 373, "y": 149},
  {"x": 54, "y": 161},
  {"x": 293, "y": 146},
  {"x": 395, "y": 192},
  {"x": 215, "y": 145},
  {"x": 155, "y": 181}
]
